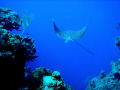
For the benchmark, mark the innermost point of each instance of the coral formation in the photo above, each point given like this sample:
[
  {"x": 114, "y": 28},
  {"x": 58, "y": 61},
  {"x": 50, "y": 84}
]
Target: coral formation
[
  {"x": 105, "y": 81},
  {"x": 9, "y": 20},
  {"x": 14, "y": 51},
  {"x": 27, "y": 19},
  {"x": 35, "y": 79},
  {"x": 44, "y": 79},
  {"x": 15, "y": 46}
]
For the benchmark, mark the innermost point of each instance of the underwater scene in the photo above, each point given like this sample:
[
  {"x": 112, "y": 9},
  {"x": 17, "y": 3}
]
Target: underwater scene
[{"x": 59, "y": 45}]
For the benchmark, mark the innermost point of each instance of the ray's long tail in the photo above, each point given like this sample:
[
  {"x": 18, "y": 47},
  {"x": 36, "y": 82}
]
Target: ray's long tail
[{"x": 83, "y": 47}]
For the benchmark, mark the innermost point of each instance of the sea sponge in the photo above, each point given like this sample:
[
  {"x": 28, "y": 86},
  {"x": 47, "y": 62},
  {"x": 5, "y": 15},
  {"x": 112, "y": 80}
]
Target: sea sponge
[{"x": 48, "y": 81}]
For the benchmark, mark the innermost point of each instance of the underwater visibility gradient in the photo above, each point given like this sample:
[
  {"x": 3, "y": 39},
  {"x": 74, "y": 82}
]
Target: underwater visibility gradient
[{"x": 75, "y": 38}]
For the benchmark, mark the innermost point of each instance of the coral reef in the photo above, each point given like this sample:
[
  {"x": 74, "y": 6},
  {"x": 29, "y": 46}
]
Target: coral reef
[
  {"x": 15, "y": 51},
  {"x": 44, "y": 79},
  {"x": 9, "y": 20},
  {"x": 35, "y": 79},
  {"x": 15, "y": 46},
  {"x": 107, "y": 82}
]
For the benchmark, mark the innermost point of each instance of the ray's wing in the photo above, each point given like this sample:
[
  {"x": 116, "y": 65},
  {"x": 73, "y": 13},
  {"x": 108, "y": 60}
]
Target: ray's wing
[
  {"x": 56, "y": 28},
  {"x": 81, "y": 32},
  {"x": 60, "y": 34},
  {"x": 77, "y": 34}
]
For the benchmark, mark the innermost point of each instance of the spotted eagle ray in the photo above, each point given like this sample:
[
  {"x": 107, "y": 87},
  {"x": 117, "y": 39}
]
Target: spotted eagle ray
[{"x": 71, "y": 35}]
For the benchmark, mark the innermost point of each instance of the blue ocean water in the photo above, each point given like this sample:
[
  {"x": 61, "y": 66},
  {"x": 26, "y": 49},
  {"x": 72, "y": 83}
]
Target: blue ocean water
[{"x": 75, "y": 64}]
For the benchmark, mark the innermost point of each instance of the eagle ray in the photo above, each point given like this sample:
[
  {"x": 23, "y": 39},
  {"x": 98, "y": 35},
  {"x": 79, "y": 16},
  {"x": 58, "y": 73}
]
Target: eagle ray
[{"x": 71, "y": 35}]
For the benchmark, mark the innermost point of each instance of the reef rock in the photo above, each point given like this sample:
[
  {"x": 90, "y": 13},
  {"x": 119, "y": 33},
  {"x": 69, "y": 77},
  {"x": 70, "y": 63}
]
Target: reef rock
[
  {"x": 9, "y": 20},
  {"x": 44, "y": 79},
  {"x": 14, "y": 51},
  {"x": 107, "y": 82}
]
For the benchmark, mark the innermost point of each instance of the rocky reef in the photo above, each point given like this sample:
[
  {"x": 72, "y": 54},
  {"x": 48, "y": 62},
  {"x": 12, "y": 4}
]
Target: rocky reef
[
  {"x": 9, "y": 20},
  {"x": 15, "y": 51},
  {"x": 45, "y": 79},
  {"x": 118, "y": 42},
  {"x": 105, "y": 81},
  {"x": 109, "y": 81}
]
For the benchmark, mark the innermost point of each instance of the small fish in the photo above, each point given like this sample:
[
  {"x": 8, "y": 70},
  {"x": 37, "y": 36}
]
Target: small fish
[{"x": 118, "y": 26}]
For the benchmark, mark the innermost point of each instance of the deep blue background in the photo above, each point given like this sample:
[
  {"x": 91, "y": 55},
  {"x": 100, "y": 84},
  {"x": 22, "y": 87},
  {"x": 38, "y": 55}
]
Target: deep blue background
[{"x": 74, "y": 63}]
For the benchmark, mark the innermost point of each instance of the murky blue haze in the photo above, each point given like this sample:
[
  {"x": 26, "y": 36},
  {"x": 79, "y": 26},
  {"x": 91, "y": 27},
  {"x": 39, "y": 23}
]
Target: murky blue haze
[{"x": 74, "y": 63}]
